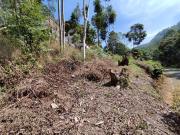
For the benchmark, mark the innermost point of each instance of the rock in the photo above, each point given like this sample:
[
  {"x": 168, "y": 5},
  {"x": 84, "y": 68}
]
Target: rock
[
  {"x": 118, "y": 87},
  {"x": 54, "y": 106},
  {"x": 99, "y": 123},
  {"x": 139, "y": 132},
  {"x": 76, "y": 120},
  {"x": 91, "y": 98},
  {"x": 62, "y": 117},
  {"x": 73, "y": 76}
]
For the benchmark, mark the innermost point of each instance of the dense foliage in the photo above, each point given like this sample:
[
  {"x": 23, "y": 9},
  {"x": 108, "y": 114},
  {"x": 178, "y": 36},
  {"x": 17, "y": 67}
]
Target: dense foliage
[
  {"x": 165, "y": 47},
  {"x": 114, "y": 44},
  {"x": 25, "y": 21},
  {"x": 154, "y": 43},
  {"x": 75, "y": 29},
  {"x": 102, "y": 19},
  {"x": 169, "y": 50},
  {"x": 136, "y": 34}
]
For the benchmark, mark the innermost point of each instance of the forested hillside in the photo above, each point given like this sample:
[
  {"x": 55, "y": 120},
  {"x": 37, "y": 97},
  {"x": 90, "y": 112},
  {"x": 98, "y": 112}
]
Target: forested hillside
[
  {"x": 165, "y": 46},
  {"x": 154, "y": 43}
]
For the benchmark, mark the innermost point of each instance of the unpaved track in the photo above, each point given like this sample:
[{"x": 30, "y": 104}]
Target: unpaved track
[{"x": 173, "y": 81}]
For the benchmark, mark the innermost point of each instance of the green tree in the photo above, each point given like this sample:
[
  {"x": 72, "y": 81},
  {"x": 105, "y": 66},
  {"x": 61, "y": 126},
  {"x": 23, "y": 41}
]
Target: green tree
[
  {"x": 113, "y": 40},
  {"x": 98, "y": 18},
  {"x": 114, "y": 44},
  {"x": 91, "y": 34},
  {"x": 76, "y": 38},
  {"x": 121, "y": 49},
  {"x": 169, "y": 50},
  {"x": 73, "y": 25},
  {"x": 76, "y": 15},
  {"x": 102, "y": 19},
  {"x": 26, "y": 22},
  {"x": 136, "y": 34},
  {"x": 111, "y": 15}
]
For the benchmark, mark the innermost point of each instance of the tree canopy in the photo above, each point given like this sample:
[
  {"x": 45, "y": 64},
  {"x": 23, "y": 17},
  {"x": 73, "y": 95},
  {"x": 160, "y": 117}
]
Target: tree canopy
[
  {"x": 136, "y": 34},
  {"x": 25, "y": 20},
  {"x": 103, "y": 18},
  {"x": 114, "y": 44}
]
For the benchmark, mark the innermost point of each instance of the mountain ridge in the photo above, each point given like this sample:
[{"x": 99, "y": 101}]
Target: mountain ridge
[{"x": 154, "y": 43}]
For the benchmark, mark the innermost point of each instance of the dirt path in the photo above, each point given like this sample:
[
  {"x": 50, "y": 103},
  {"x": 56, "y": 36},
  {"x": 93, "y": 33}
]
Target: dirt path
[{"x": 172, "y": 84}]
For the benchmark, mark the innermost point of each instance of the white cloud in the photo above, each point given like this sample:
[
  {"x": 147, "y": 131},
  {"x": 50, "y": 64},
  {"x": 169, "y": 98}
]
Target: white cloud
[
  {"x": 141, "y": 8},
  {"x": 154, "y": 14}
]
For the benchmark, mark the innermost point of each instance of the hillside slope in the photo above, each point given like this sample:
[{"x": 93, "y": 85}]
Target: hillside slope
[
  {"x": 154, "y": 43},
  {"x": 70, "y": 98}
]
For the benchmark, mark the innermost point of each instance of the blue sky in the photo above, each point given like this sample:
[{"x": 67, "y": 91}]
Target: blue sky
[{"x": 154, "y": 14}]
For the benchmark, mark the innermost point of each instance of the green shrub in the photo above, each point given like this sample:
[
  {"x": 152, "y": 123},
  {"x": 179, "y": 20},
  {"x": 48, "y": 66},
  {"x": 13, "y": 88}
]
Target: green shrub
[
  {"x": 176, "y": 100},
  {"x": 96, "y": 52},
  {"x": 153, "y": 68},
  {"x": 76, "y": 38},
  {"x": 116, "y": 57},
  {"x": 156, "y": 73}
]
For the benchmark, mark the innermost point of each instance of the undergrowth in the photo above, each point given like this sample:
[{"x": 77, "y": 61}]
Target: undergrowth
[{"x": 153, "y": 68}]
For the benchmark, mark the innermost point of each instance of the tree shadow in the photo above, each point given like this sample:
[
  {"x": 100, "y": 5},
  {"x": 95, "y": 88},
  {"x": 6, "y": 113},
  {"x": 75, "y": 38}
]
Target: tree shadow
[
  {"x": 172, "y": 119},
  {"x": 109, "y": 84}
]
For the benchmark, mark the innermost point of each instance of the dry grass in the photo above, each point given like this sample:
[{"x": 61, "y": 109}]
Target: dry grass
[
  {"x": 165, "y": 87},
  {"x": 176, "y": 99}
]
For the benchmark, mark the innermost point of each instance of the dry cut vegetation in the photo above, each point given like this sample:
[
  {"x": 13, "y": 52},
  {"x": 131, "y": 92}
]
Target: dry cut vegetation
[{"x": 71, "y": 98}]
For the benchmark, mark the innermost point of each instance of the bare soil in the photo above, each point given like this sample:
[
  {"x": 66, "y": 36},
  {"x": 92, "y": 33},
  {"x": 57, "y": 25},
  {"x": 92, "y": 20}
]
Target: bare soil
[{"x": 84, "y": 105}]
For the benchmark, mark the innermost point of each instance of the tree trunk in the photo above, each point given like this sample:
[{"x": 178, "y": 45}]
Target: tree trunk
[
  {"x": 119, "y": 78},
  {"x": 62, "y": 24},
  {"x": 98, "y": 37},
  {"x": 114, "y": 77},
  {"x": 59, "y": 19},
  {"x": 124, "y": 62},
  {"x": 85, "y": 14}
]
